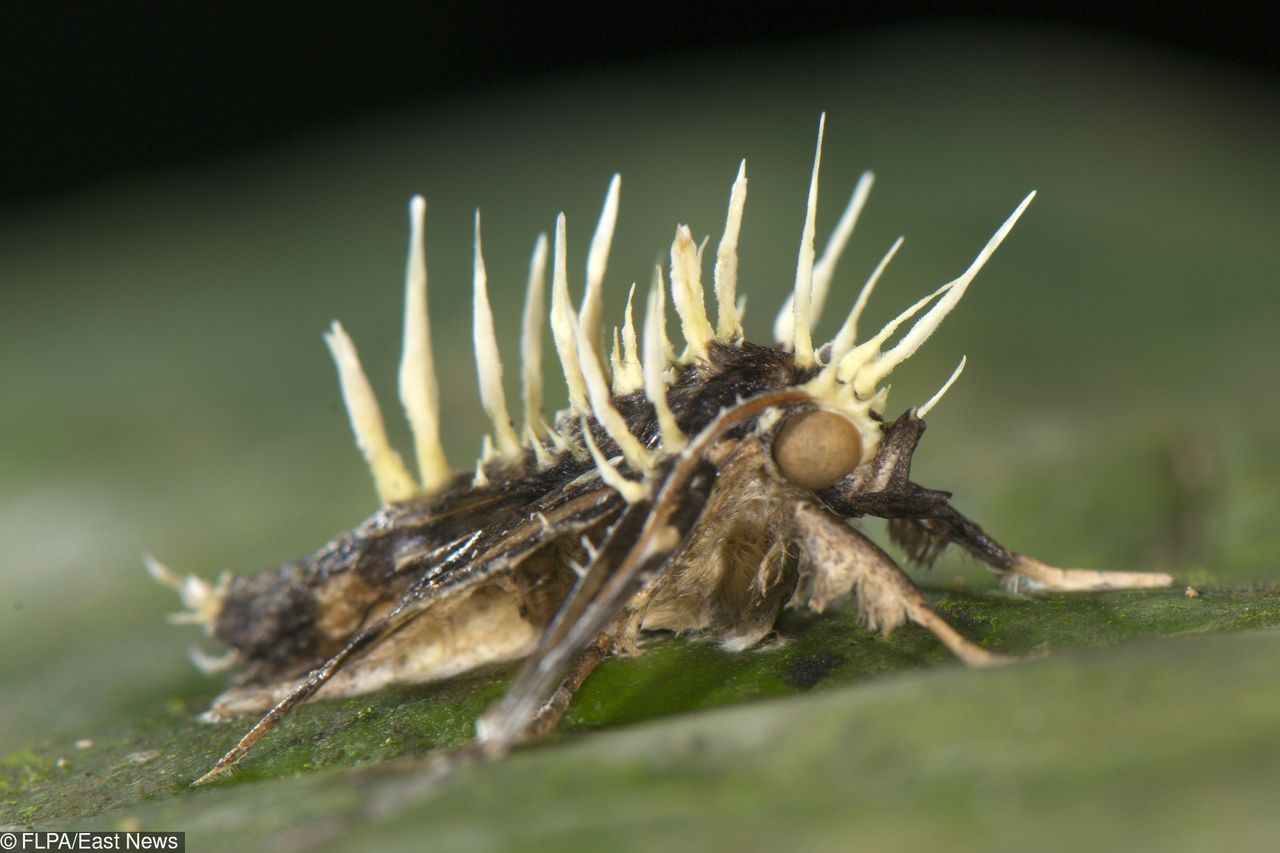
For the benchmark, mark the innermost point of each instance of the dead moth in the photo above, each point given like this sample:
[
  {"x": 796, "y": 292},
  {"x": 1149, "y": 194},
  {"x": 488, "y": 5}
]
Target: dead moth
[{"x": 696, "y": 490}]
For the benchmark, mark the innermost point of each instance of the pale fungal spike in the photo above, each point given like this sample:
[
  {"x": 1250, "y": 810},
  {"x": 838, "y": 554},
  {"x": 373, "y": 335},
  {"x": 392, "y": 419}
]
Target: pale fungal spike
[
  {"x": 686, "y": 293},
  {"x": 630, "y": 490},
  {"x": 562, "y": 324},
  {"x": 531, "y": 343},
  {"x": 633, "y": 379},
  {"x": 668, "y": 348},
  {"x": 848, "y": 334},
  {"x": 597, "y": 259},
  {"x": 802, "y": 339},
  {"x": 825, "y": 268},
  {"x": 866, "y": 352},
  {"x": 390, "y": 476},
  {"x": 489, "y": 360},
  {"x": 615, "y": 361},
  {"x": 542, "y": 455},
  {"x": 419, "y": 388},
  {"x": 728, "y": 323},
  {"x": 871, "y": 375},
  {"x": 202, "y": 599},
  {"x": 946, "y": 386},
  {"x": 638, "y": 457},
  {"x": 655, "y": 362}
]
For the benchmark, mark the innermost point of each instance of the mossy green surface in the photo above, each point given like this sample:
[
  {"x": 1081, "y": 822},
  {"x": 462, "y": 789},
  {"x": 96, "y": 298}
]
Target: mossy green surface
[{"x": 166, "y": 388}]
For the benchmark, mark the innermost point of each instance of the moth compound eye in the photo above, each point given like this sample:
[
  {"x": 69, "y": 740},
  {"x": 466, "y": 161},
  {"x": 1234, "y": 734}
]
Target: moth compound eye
[{"x": 817, "y": 449}]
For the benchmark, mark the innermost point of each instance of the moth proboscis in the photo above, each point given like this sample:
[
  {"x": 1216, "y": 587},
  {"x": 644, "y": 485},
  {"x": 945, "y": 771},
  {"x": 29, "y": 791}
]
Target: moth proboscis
[{"x": 695, "y": 491}]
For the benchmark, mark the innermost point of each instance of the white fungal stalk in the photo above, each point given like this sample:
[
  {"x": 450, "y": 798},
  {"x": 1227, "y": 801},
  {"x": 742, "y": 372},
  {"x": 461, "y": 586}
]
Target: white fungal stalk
[{"x": 848, "y": 378}]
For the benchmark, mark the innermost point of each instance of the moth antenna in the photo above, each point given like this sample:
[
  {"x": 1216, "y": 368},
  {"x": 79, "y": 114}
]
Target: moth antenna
[
  {"x": 391, "y": 478},
  {"x": 871, "y": 375},
  {"x": 655, "y": 385},
  {"x": 597, "y": 258},
  {"x": 848, "y": 334},
  {"x": 802, "y": 339},
  {"x": 633, "y": 372},
  {"x": 638, "y": 457},
  {"x": 864, "y": 353},
  {"x": 630, "y": 490},
  {"x": 728, "y": 321},
  {"x": 686, "y": 293},
  {"x": 489, "y": 360},
  {"x": 825, "y": 269},
  {"x": 562, "y": 325},
  {"x": 419, "y": 387},
  {"x": 933, "y": 401},
  {"x": 531, "y": 343}
]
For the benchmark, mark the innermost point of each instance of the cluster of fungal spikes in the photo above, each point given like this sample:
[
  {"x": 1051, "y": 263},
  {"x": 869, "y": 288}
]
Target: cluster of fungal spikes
[{"x": 846, "y": 374}]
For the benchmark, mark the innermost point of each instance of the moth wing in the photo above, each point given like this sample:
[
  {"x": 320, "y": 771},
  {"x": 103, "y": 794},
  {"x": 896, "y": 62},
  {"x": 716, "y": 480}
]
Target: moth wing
[{"x": 635, "y": 551}]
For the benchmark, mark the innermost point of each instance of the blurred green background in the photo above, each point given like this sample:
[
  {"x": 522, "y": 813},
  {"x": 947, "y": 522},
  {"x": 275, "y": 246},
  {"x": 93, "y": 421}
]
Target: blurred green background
[{"x": 166, "y": 388}]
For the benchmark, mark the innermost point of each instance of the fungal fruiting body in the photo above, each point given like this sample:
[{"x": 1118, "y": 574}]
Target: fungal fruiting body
[{"x": 700, "y": 490}]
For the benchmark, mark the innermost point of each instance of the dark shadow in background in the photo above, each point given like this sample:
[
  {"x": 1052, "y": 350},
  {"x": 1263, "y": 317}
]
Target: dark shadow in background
[{"x": 91, "y": 90}]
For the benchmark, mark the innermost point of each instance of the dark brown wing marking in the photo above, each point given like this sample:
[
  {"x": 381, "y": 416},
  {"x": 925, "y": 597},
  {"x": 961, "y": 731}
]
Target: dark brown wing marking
[{"x": 498, "y": 549}]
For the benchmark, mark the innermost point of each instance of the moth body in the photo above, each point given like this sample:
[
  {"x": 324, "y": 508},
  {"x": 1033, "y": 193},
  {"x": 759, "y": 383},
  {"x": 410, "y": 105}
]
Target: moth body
[{"x": 695, "y": 491}]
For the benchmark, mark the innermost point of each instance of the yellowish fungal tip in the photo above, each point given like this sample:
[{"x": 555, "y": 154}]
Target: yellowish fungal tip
[
  {"x": 848, "y": 334},
  {"x": 531, "y": 343},
  {"x": 628, "y": 375},
  {"x": 946, "y": 386},
  {"x": 728, "y": 321},
  {"x": 825, "y": 269},
  {"x": 562, "y": 324},
  {"x": 630, "y": 490},
  {"x": 202, "y": 599},
  {"x": 419, "y": 388},
  {"x": 390, "y": 476},
  {"x": 872, "y": 374},
  {"x": 638, "y": 457},
  {"x": 686, "y": 293},
  {"x": 489, "y": 360},
  {"x": 655, "y": 385},
  {"x": 597, "y": 260},
  {"x": 802, "y": 339}
]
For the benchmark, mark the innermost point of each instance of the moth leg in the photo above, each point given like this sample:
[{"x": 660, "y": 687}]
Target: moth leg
[
  {"x": 549, "y": 715},
  {"x": 925, "y": 537},
  {"x": 923, "y": 521},
  {"x": 845, "y": 561}
]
